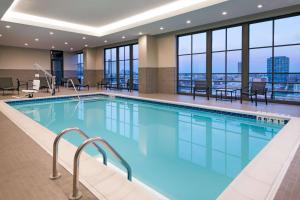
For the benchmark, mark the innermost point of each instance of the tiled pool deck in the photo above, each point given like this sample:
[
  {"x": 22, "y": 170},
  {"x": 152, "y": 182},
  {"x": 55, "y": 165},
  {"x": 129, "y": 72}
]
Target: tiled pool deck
[{"x": 287, "y": 190}]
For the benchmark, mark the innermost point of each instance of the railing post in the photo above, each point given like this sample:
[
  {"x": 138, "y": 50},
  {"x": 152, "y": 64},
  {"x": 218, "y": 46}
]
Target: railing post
[{"x": 76, "y": 194}]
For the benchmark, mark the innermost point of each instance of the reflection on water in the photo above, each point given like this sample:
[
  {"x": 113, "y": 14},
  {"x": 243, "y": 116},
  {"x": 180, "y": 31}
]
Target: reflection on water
[{"x": 182, "y": 153}]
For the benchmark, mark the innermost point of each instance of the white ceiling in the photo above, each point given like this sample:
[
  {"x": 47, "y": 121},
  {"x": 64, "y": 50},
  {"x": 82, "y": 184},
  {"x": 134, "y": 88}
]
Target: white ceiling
[
  {"x": 100, "y": 12},
  {"x": 88, "y": 12}
]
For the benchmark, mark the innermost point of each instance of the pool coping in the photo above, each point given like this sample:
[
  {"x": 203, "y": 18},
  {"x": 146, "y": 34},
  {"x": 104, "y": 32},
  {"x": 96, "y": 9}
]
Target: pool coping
[{"x": 260, "y": 179}]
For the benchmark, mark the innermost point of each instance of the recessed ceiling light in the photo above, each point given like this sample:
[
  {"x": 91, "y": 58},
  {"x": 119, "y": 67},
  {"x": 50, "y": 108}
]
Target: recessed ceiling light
[
  {"x": 66, "y": 43},
  {"x": 36, "y": 39},
  {"x": 71, "y": 49},
  {"x": 224, "y": 13},
  {"x": 105, "y": 41},
  {"x": 51, "y": 33},
  {"x": 161, "y": 28},
  {"x": 53, "y": 47},
  {"x": 7, "y": 26},
  {"x": 123, "y": 37},
  {"x": 0, "y": 35},
  {"x": 140, "y": 33},
  {"x": 259, "y": 6},
  {"x": 86, "y": 45},
  {"x": 83, "y": 38},
  {"x": 26, "y": 44},
  {"x": 188, "y": 21}
]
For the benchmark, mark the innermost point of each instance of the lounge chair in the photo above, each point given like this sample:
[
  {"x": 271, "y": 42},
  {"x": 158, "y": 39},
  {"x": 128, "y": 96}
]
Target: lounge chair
[
  {"x": 257, "y": 88},
  {"x": 201, "y": 86},
  {"x": 6, "y": 84},
  {"x": 103, "y": 83},
  {"x": 79, "y": 85}
]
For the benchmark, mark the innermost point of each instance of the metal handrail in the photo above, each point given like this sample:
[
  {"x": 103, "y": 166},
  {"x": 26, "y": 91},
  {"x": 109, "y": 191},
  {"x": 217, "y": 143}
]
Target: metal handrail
[
  {"x": 76, "y": 194},
  {"x": 70, "y": 80},
  {"x": 55, "y": 174}
]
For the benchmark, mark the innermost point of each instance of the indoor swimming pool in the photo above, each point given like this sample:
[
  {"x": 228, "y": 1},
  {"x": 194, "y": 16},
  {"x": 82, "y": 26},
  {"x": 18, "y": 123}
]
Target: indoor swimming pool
[{"x": 182, "y": 152}]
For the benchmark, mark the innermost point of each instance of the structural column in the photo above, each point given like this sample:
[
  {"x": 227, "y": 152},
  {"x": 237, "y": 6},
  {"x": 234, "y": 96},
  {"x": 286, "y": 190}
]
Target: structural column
[{"x": 148, "y": 68}]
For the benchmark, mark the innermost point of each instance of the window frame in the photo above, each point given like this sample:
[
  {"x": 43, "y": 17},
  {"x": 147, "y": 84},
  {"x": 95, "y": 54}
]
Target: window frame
[{"x": 117, "y": 61}]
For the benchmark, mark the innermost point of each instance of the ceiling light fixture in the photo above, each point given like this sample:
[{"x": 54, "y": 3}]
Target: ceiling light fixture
[
  {"x": 259, "y": 6},
  {"x": 224, "y": 13},
  {"x": 66, "y": 43},
  {"x": 71, "y": 49},
  {"x": 83, "y": 38},
  {"x": 53, "y": 47},
  {"x": 123, "y": 37},
  {"x": 7, "y": 26},
  {"x": 105, "y": 41},
  {"x": 164, "y": 11},
  {"x": 26, "y": 44},
  {"x": 161, "y": 28},
  {"x": 0, "y": 35},
  {"x": 188, "y": 21},
  {"x": 36, "y": 39},
  {"x": 86, "y": 45},
  {"x": 51, "y": 33},
  {"x": 140, "y": 33}
]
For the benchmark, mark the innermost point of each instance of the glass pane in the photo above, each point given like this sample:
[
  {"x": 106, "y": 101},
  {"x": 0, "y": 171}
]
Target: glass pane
[
  {"x": 184, "y": 67},
  {"x": 261, "y": 34},
  {"x": 199, "y": 43},
  {"x": 199, "y": 67},
  {"x": 218, "y": 62},
  {"x": 234, "y": 62},
  {"x": 259, "y": 60},
  {"x": 260, "y": 63},
  {"x": 107, "y": 54},
  {"x": 121, "y": 53},
  {"x": 127, "y": 54},
  {"x": 114, "y": 54},
  {"x": 234, "y": 38},
  {"x": 218, "y": 40},
  {"x": 287, "y": 59},
  {"x": 184, "y": 44},
  {"x": 199, "y": 63},
  {"x": 135, "y": 51},
  {"x": 287, "y": 30}
]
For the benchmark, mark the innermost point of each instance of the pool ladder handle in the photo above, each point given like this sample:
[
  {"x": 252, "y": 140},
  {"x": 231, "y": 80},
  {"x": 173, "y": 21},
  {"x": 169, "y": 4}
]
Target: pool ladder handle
[
  {"x": 55, "y": 174},
  {"x": 76, "y": 194}
]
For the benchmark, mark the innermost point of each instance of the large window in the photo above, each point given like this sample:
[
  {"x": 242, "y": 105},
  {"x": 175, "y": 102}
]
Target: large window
[
  {"x": 227, "y": 58},
  {"x": 121, "y": 66},
  {"x": 275, "y": 56},
  {"x": 215, "y": 55},
  {"x": 79, "y": 71},
  {"x": 191, "y": 61}
]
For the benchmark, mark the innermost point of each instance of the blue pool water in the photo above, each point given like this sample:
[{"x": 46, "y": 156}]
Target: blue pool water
[{"x": 183, "y": 153}]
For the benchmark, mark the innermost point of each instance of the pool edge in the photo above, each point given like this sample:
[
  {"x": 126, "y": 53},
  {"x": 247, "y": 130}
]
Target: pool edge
[{"x": 232, "y": 191}]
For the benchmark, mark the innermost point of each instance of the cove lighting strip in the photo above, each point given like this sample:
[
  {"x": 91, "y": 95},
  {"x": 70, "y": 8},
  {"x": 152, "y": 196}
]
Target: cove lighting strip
[{"x": 165, "y": 11}]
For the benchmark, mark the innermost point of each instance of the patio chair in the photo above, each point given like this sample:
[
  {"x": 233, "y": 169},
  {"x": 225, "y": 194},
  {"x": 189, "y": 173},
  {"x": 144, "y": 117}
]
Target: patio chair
[
  {"x": 201, "y": 86},
  {"x": 103, "y": 83},
  {"x": 257, "y": 88},
  {"x": 6, "y": 84},
  {"x": 128, "y": 85},
  {"x": 79, "y": 85}
]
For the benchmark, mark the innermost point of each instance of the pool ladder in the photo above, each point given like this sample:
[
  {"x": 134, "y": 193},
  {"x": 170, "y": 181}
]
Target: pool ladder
[{"x": 76, "y": 194}]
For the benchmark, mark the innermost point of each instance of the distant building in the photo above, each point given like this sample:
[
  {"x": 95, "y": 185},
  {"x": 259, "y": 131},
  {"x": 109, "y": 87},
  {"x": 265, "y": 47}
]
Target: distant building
[{"x": 281, "y": 65}]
